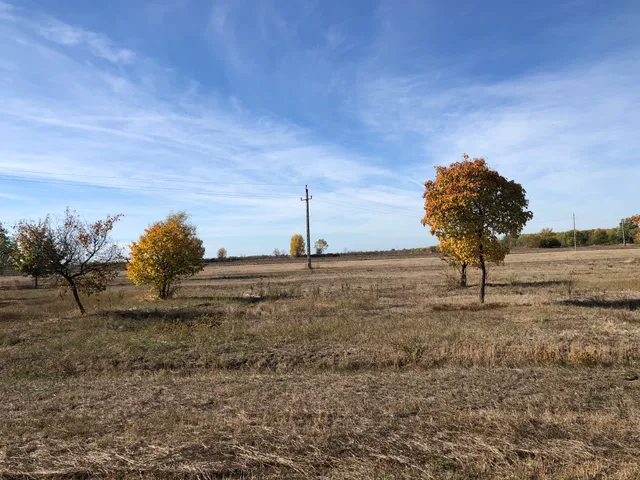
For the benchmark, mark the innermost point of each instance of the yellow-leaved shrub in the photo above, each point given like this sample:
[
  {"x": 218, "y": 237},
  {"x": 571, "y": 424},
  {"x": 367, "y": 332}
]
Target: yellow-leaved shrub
[{"x": 168, "y": 251}]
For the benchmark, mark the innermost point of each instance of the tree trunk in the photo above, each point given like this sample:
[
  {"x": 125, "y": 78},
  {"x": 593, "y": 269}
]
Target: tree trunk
[
  {"x": 483, "y": 280},
  {"x": 74, "y": 289},
  {"x": 163, "y": 293},
  {"x": 35, "y": 281},
  {"x": 463, "y": 275}
]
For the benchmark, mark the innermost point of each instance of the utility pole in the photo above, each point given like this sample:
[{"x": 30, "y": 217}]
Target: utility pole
[
  {"x": 575, "y": 242},
  {"x": 624, "y": 239},
  {"x": 306, "y": 199}
]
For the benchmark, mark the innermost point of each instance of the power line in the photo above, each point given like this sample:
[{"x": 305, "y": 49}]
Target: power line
[
  {"x": 63, "y": 182},
  {"x": 364, "y": 207},
  {"x": 361, "y": 199},
  {"x": 56, "y": 181},
  {"x": 144, "y": 188},
  {"x": 128, "y": 177},
  {"x": 370, "y": 206},
  {"x": 550, "y": 221}
]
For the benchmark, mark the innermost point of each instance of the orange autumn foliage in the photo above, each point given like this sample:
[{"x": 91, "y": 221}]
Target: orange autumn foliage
[
  {"x": 635, "y": 219},
  {"x": 468, "y": 206}
]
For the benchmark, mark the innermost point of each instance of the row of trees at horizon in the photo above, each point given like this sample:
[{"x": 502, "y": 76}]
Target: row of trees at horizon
[{"x": 627, "y": 232}]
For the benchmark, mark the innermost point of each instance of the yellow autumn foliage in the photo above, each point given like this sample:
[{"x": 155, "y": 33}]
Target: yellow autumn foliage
[
  {"x": 168, "y": 251},
  {"x": 466, "y": 250},
  {"x": 296, "y": 247}
]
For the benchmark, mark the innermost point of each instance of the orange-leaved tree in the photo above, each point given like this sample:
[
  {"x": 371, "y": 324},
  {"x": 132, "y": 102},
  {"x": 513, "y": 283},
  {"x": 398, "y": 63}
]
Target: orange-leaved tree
[
  {"x": 168, "y": 251},
  {"x": 635, "y": 219},
  {"x": 296, "y": 247},
  {"x": 468, "y": 206}
]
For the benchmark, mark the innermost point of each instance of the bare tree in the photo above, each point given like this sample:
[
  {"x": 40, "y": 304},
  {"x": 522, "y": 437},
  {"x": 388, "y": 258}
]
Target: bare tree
[{"x": 84, "y": 258}]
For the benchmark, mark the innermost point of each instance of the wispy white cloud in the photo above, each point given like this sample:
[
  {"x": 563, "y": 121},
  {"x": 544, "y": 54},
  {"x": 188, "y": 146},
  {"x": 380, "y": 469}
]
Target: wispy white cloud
[
  {"x": 158, "y": 12},
  {"x": 558, "y": 132},
  {"x": 335, "y": 38},
  {"x": 98, "y": 45},
  {"x": 94, "y": 106},
  {"x": 97, "y": 126},
  {"x": 6, "y": 11},
  {"x": 10, "y": 196},
  {"x": 224, "y": 38}
]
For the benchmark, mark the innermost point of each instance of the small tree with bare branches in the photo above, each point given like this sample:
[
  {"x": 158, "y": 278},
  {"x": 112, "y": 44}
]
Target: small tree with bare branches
[{"x": 83, "y": 256}]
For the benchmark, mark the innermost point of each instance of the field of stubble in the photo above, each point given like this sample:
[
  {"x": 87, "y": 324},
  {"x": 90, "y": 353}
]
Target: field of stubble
[{"x": 363, "y": 369}]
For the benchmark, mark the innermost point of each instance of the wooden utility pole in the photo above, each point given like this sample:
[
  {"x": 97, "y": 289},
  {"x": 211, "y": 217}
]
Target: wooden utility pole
[
  {"x": 306, "y": 199},
  {"x": 575, "y": 242},
  {"x": 624, "y": 239}
]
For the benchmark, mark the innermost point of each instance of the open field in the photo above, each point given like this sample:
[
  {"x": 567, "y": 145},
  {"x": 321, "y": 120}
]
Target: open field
[{"x": 358, "y": 369}]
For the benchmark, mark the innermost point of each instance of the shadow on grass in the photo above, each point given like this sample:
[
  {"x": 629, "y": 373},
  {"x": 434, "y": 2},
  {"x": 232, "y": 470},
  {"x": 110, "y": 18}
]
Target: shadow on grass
[
  {"x": 620, "y": 304},
  {"x": 183, "y": 314},
  {"x": 155, "y": 314},
  {"x": 472, "y": 307},
  {"x": 21, "y": 286},
  {"x": 248, "y": 276},
  {"x": 244, "y": 300},
  {"x": 544, "y": 283}
]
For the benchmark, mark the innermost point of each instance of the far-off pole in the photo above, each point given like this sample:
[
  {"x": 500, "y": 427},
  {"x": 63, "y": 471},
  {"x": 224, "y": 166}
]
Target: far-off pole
[
  {"x": 624, "y": 238},
  {"x": 306, "y": 199},
  {"x": 575, "y": 242}
]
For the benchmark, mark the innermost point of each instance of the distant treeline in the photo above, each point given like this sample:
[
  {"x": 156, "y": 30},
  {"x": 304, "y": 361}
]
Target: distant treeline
[
  {"x": 349, "y": 255},
  {"x": 547, "y": 238}
]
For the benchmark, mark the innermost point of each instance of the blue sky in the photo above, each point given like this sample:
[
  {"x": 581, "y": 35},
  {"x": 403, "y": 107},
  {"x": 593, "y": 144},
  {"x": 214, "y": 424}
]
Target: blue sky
[{"x": 227, "y": 109}]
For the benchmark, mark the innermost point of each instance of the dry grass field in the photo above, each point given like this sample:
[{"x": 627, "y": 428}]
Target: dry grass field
[{"x": 358, "y": 369}]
